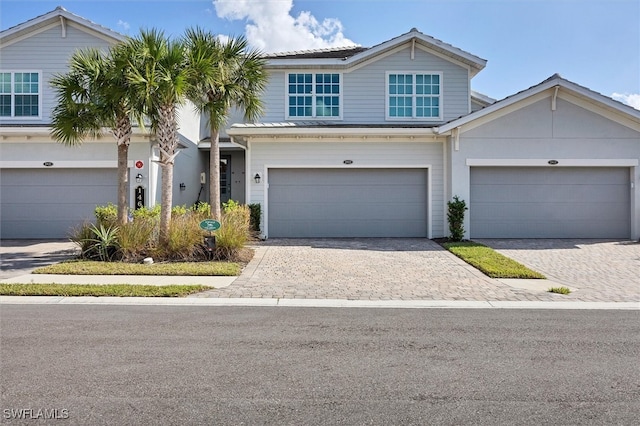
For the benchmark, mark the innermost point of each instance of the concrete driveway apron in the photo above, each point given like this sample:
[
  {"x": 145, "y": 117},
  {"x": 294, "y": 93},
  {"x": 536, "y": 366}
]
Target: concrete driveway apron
[{"x": 367, "y": 269}]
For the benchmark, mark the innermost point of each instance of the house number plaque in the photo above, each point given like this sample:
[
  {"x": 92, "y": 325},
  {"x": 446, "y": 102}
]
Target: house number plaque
[{"x": 139, "y": 194}]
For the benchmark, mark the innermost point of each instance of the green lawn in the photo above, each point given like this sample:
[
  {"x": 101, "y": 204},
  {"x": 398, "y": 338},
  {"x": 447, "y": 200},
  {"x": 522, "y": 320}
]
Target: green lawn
[
  {"x": 490, "y": 262},
  {"x": 85, "y": 267},
  {"x": 117, "y": 290}
]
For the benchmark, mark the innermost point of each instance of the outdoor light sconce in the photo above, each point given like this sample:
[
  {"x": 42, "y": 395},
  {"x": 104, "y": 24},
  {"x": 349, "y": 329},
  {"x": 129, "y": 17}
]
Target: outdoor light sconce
[
  {"x": 257, "y": 178},
  {"x": 183, "y": 186},
  {"x": 139, "y": 178}
]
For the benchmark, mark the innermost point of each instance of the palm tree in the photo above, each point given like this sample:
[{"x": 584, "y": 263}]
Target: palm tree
[
  {"x": 157, "y": 72},
  {"x": 92, "y": 96},
  {"x": 222, "y": 75}
]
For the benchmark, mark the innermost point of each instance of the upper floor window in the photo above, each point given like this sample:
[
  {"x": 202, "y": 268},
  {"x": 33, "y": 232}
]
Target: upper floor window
[
  {"x": 414, "y": 95},
  {"x": 19, "y": 94},
  {"x": 313, "y": 95}
]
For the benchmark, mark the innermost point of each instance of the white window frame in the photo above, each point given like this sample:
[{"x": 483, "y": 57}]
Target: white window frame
[
  {"x": 13, "y": 95},
  {"x": 414, "y": 95},
  {"x": 313, "y": 95}
]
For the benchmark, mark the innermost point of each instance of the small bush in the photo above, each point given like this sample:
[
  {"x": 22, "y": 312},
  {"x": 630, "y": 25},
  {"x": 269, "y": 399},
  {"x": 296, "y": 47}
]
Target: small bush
[
  {"x": 185, "y": 239},
  {"x": 137, "y": 237},
  {"x": 559, "y": 290},
  {"x": 201, "y": 210},
  {"x": 255, "y": 215},
  {"x": 106, "y": 216},
  {"x": 146, "y": 212},
  {"x": 455, "y": 216},
  {"x": 81, "y": 236},
  {"x": 103, "y": 245},
  {"x": 230, "y": 206},
  {"x": 233, "y": 233}
]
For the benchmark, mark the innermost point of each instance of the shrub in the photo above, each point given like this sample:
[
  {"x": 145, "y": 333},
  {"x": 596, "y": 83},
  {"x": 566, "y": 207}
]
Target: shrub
[
  {"x": 455, "y": 216},
  {"x": 202, "y": 210},
  {"x": 255, "y": 215},
  {"x": 146, "y": 212},
  {"x": 234, "y": 232},
  {"x": 81, "y": 236},
  {"x": 137, "y": 237},
  {"x": 185, "y": 239},
  {"x": 106, "y": 215},
  {"x": 103, "y": 245},
  {"x": 230, "y": 205}
]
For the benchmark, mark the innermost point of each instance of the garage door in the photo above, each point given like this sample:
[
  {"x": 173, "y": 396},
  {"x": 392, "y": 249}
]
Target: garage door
[
  {"x": 347, "y": 203},
  {"x": 550, "y": 202},
  {"x": 39, "y": 203}
]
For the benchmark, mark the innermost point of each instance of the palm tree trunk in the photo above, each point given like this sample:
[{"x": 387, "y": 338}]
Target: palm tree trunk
[
  {"x": 168, "y": 143},
  {"x": 166, "y": 203},
  {"x": 122, "y": 132},
  {"x": 123, "y": 171},
  {"x": 214, "y": 174}
]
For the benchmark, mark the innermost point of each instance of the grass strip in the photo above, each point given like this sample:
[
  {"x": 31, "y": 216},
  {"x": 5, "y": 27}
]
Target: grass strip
[
  {"x": 87, "y": 267},
  {"x": 490, "y": 262},
  {"x": 117, "y": 290}
]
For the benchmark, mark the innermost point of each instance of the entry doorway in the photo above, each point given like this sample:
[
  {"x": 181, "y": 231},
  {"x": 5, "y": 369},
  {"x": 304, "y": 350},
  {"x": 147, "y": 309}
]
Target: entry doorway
[{"x": 225, "y": 178}]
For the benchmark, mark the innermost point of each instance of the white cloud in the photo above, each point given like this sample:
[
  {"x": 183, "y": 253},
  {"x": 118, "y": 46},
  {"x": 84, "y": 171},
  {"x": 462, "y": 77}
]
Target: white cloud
[
  {"x": 124, "y": 25},
  {"x": 271, "y": 27},
  {"x": 632, "y": 99}
]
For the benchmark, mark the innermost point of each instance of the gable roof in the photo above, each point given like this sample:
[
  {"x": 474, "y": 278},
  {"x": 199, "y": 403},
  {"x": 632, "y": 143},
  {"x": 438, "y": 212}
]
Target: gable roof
[
  {"x": 349, "y": 56},
  {"x": 555, "y": 81},
  {"x": 58, "y": 15}
]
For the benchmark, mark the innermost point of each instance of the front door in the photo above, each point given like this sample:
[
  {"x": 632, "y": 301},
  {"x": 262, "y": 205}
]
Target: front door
[{"x": 225, "y": 178}]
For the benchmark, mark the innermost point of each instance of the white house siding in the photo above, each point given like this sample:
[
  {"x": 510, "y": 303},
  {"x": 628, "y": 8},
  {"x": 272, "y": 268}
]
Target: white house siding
[
  {"x": 364, "y": 88},
  {"x": 49, "y": 53},
  {"x": 368, "y": 155},
  {"x": 573, "y": 135}
]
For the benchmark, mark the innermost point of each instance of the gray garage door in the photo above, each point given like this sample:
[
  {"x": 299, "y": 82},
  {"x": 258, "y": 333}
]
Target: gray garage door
[
  {"x": 40, "y": 203},
  {"x": 347, "y": 203},
  {"x": 550, "y": 202}
]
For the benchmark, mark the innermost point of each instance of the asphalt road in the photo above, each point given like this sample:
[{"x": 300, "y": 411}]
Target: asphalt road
[{"x": 230, "y": 365}]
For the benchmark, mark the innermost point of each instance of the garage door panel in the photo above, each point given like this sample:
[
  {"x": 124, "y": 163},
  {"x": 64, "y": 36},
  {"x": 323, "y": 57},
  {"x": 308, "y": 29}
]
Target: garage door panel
[
  {"x": 550, "y": 203},
  {"x": 347, "y": 203},
  {"x": 47, "y": 203}
]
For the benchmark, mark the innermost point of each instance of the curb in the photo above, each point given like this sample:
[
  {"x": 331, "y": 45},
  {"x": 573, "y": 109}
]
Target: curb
[{"x": 315, "y": 303}]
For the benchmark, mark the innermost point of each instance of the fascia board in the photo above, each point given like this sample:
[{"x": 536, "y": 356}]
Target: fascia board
[
  {"x": 30, "y": 27},
  {"x": 427, "y": 43},
  {"x": 297, "y": 131},
  {"x": 567, "y": 85}
]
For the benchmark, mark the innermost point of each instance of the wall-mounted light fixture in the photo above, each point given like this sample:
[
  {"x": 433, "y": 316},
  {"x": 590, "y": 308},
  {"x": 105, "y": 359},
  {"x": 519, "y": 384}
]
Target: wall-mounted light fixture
[
  {"x": 183, "y": 186},
  {"x": 139, "y": 178},
  {"x": 257, "y": 178}
]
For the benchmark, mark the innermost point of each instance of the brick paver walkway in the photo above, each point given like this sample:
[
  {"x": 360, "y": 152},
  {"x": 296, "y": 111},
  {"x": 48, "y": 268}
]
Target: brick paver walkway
[{"x": 413, "y": 269}]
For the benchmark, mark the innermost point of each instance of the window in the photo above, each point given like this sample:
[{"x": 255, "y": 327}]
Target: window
[
  {"x": 313, "y": 95},
  {"x": 414, "y": 95},
  {"x": 19, "y": 94}
]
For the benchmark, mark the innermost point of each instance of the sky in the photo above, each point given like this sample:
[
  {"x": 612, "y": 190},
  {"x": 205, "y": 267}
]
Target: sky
[{"x": 594, "y": 43}]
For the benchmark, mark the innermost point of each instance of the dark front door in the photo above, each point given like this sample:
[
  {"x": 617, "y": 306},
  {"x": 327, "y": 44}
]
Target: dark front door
[{"x": 225, "y": 178}]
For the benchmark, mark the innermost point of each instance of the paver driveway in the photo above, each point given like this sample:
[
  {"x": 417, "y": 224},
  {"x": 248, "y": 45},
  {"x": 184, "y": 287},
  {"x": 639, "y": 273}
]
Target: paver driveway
[
  {"x": 600, "y": 270},
  {"x": 387, "y": 268}
]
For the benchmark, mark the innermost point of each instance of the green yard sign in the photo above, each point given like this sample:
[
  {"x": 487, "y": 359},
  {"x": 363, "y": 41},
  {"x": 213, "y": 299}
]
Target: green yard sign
[{"x": 210, "y": 225}]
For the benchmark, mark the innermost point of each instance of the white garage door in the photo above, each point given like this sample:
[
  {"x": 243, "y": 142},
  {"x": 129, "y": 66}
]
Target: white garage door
[
  {"x": 47, "y": 203},
  {"x": 509, "y": 202},
  {"x": 347, "y": 203}
]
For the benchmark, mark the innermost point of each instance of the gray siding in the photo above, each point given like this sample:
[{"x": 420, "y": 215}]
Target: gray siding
[
  {"x": 364, "y": 88},
  {"x": 49, "y": 53}
]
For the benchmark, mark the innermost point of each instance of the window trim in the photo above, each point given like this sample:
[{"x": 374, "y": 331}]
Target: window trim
[
  {"x": 313, "y": 95},
  {"x": 414, "y": 94},
  {"x": 13, "y": 72}
]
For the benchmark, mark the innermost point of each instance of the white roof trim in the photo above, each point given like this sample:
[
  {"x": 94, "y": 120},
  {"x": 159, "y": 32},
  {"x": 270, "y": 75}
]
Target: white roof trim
[
  {"x": 474, "y": 62},
  {"x": 330, "y": 131},
  {"x": 532, "y": 91},
  {"x": 55, "y": 15}
]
